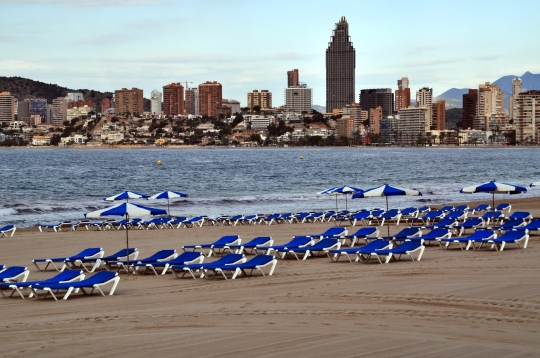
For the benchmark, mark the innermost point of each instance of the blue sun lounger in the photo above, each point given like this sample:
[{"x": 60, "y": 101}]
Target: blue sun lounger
[
  {"x": 89, "y": 253},
  {"x": 314, "y": 250},
  {"x": 510, "y": 225},
  {"x": 95, "y": 282},
  {"x": 65, "y": 276},
  {"x": 447, "y": 208},
  {"x": 433, "y": 235},
  {"x": 233, "y": 220},
  {"x": 475, "y": 224},
  {"x": 456, "y": 215},
  {"x": 534, "y": 225},
  {"x": 270, "y": 219},
  {"x": 523, "y": 215},
  {"x": 296, "y": 242},
  {"x": 407, "y": 248},
  {"x": 185, "y": 258},
  {"x": 443, "y": 224},
  {"x": 4, "y": 231},
  {"x": 482, "y": 208},
  {"x": 161, "y": 255},
  {"x": 363, "y": 217},
  {"x": 409, "y": 212},
  {"x": 58, "y": 227},
  {"x": 249, "y": 247},
  {"x": 406, "y": 233},
  {"x": 464, "y": 208},
  {"x": 332, "y": 232},
  {"x": 216, "y": 246},
  {"x": 510, "y": 237},
  {"x": 430, "y": 216},
  {"x": 195, "y": 221},
  {"x": 504, "y": 206},
  {"x": 390, "y": 215},
  {"x": 14, "y": 274},
  {"x": 250, "y": 219},
  {"x": 373, "y": 245},
  {"x": 477, "y": 236},
  {"x": 365, "y": 233},
  {"x": 192, "y": 268},
  {"x": 256, "y": 263},
  {"x": 95, "y": 262}
]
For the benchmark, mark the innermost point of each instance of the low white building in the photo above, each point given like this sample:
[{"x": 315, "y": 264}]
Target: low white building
[
  {"x": 39, "y": 140},
  {"x": 76, "y": 112},
  {"x": 113, "y": 137}
]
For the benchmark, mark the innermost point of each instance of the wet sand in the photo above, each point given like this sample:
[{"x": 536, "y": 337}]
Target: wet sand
[{"x": 452, "y": 303}]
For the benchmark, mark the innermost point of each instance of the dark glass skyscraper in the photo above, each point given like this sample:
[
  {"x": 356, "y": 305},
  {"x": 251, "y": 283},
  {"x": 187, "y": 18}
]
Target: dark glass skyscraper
[{"x": 340, "y": 65}]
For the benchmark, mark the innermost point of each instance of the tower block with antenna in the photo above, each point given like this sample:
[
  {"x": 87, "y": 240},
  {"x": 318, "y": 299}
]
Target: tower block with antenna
[{"x": 185, "y": 89}]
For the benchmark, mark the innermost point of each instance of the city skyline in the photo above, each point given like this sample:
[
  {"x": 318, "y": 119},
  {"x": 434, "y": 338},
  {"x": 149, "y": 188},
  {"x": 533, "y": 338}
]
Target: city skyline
[{"x": 94, "y": 44}]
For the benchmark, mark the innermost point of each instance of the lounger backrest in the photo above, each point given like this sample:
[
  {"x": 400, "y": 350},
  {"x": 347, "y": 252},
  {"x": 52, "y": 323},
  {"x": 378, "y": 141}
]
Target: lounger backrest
[
  {"x": 271, "y": 217},
  {"x": 66, "y": 275},
  {"x": 408, "y": 246},
  {"x": 324, "y": 243},
  {"x": 11, "y": 272},
  {"x": 435, "y": 233},
  {"x": 481, "y": 207},
  {"x": 299, "y": 241},
  {"x": 260, "y": 260},
  {"x": 121, "y": 253},
  {"x": 408, "y": 231},
  {"x": 491, "y": 215},
  {"x": 472, "y": 222},
  {"x": 375, "y": 245},
  {"x": 160, "y": 255},
  {"x": 226, "y": 240},
  {"x": 512, "y": 223},
  {"x": 520, "y": 215},
  {"x": 455, "y": 215},
  {"x": 376, "y": 213},
  {"x": 100, "y": 277},
  {"x": 361, "y": 215},
  {"x": 365, "y": 231},
  {"x": 7, "y": 227},
  {"x": 91, "y": 251},
  {"x": 236, "y": 217},
  {"x": 186, "y": 256},
  {"x": 502, "y": 206},
  {"x": 334, "y": 231},
  {"x": 461, "y": 208},
  {"x": 408, "y": 211},
  {"x": 481, "y": 234},
  {"x": 447, "y": 208},
  {"x": 433, "y": 214},
  {"x": 533, "y": 225},
  {"x": 512, "y": 235},
  {"x": 227, "y": 259},
  {"x": 445, "y": 222},
  {"x": 258, "y": 241}
]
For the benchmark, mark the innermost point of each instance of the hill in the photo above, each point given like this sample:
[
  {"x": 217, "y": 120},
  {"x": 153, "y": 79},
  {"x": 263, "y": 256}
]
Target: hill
[
  {"x": 23, "y": 88},
  {"x": 453, "y": 97},
  {"x": 453, "y": 116}
]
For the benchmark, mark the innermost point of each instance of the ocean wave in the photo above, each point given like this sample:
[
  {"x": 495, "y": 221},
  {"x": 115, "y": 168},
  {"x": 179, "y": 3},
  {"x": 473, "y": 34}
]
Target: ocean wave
[{"x": 7, "y": 212}]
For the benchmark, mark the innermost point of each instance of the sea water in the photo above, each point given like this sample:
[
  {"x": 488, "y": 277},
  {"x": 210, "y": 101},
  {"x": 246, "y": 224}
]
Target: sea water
[{"x": 50, "y": 185}]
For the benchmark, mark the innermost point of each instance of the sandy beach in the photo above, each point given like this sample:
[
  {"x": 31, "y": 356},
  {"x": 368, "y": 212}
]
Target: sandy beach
[{"x": 452, "y": 303}]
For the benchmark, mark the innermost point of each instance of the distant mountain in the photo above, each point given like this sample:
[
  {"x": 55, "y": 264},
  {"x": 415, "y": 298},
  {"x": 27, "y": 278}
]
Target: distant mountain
[
  {"x": 530, "y": 81},
  {"x": 453, "y": 115},
  {"x": 453, "y": 97},
  {"x": 23, "y": 88},
  {"x": 320, "y": 109}
]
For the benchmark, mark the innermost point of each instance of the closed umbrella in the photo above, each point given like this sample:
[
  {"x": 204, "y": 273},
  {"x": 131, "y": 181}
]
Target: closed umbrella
[
  {"x": 127, "y": 210},
  {"x": 386, "y": 191},
  {"x": 341, "y": 190},
  {"x": 168, "y": 195},
  {"x": 493, "y": 188}
]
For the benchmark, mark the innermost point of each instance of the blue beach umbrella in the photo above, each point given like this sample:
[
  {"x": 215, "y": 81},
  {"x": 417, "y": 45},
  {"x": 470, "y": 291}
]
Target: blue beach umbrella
[
  {"x": 493, "y": 188},
  {"x": 126, "y": 195},
  {"x": 127, "y": 210},
  {"x": 168, "y": 195},
  {"x": 386, "y": 191},
  {"x": 341, "y": 190}
]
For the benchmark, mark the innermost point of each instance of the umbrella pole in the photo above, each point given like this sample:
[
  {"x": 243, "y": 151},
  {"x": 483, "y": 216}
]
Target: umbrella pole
[
  {"x": 336, "y": 205},
  {"x": 346, "y": 207},
  {"x": 387, "y": 221},
  {"x": 127, "y": 242},
  {"x": 168, "y": 208},
  {"x": 493, "y": 208}
]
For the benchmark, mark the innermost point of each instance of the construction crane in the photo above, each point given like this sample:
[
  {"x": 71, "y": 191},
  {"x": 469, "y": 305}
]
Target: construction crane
[
  {"x": 185, "y": 89},
  {"x": 186, "y": 82}
]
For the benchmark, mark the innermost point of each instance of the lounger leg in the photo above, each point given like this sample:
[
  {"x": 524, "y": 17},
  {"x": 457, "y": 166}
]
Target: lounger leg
[
  {"x": 236, "y": 272},
  {"x": 306, "y": 255},
  {"x": 274, "y": 263},
  {"x": 526, "y": 241}
]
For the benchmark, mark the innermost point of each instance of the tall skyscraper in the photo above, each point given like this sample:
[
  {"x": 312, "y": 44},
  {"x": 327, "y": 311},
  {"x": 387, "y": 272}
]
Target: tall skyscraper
[
  {"x": 490, "y": 107},
  {"x": 516, "y": 90},
  {"x": 470, "y": 101},
  {"x": 403, "y": 94},
  {"x": 210, "y": 99},
  {"x": 23, "y": 111},
  {"x": 173, "y": 99},
  {"x": 299, "y": 99},
  {"x": 293, "y": 78},
  {"x": 60, "y": 105},
  {"x": 7, "y": 107},
  {"x": 155, "y": 102},
  {"x": 262, "y": 99},
  {"x": 438, "y": 115},
  {"x": 340, "y": 66},
  {"x": 377, "y": 97},
  {"x": 192, "y": 101},
  {"x": 424, "y": 98},
  {"x": 527, "y": 117},
  {"x": 129, "y": 101}
]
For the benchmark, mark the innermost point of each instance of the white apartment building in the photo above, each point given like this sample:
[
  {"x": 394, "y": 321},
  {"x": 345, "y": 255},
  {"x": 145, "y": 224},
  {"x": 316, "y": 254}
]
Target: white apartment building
[
  {"x": 412, "y": 124},
  {"x": 424, "y": 98},
  {"x": 155, "y": 102},
  {"x": 299, "y": 99},
  {"x": 489, "y": 108},
  {"x": 527, "y": 117}
]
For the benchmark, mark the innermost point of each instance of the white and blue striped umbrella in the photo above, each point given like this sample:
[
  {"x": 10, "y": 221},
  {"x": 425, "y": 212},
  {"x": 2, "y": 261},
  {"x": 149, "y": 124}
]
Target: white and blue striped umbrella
[
  {"x": 126, "y": 195},
  {"x": 341, "y": 190},
  {"x": 493, "y": 188},
  {"x": 386, "y": 191},
  {"x": 168, "y": 195},
  {"x": 127, "y": 210}
]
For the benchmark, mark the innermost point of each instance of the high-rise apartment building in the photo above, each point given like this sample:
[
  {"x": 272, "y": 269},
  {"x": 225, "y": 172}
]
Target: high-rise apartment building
[
  {"x": 129, "y": 101},
  {"x": 38, "y": 107},
  {"x": 7, "y": 107},
  {"x": 299, "y": 99},
  {"x": 377, "y": 97},
  {"x": 49, "y": 114},
  {"x": 192, "y": 101},
  {"x": 345, "y": 126},
  {"x": 105, "y": 105},
  {"x": 412, "y": 124},
  {"x": 23, "y": 111},
  {"x": 59, "y": 107},
  {"x": 527, "y": 117},
  {"x": 155, "y": 103},
  {"x": 424, "y": 98},
  {"x": 357, "y": 113},
  {"x": 490, "y": 107},
  {"x": 470, "y": 101},
  {"x": 340, "y": 67},
  {"x": 516, "y": 90},
  {"x": 438, "y": 115},
  {"x": 375, "y": 118},
  {"x": 293, "y": 78},
  {"x": 173, "y": 99},
  {"x": 403, "y": 94},
  {"x": 210, "y": 96},
  {"x": 263, "y": 99}
]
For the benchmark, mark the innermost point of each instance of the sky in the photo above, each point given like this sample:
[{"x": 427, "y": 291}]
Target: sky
[{"x": 245, "y": 45}]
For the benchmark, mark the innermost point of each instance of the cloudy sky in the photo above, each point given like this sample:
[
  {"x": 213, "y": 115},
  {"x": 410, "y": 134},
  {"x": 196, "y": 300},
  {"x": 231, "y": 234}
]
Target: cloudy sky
[{"x": 246, "y": 45}]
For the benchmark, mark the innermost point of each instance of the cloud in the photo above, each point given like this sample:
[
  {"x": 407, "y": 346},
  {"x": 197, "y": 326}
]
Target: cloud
[
  {"x": 81, "y": 3},
  {"x": 4, "y": 38},
  {"x": 15, "y": 65},
  {"x": 104, "y": 40}
]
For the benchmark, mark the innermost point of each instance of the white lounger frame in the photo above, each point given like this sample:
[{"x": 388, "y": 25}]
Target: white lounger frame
[
  {"x": 64, "y": 265},
  {"x": 17, "y": 289},
  {"x": 97, "y": 286},
  {"x": 309, "y": 253},
  {"x": 151, "y": 267},
  {"x": 6, "y": 232},
  {"x": 239, "y": 271},
  {"x": 366, "y": 257},
  {"x": 348, "y": 254}
]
